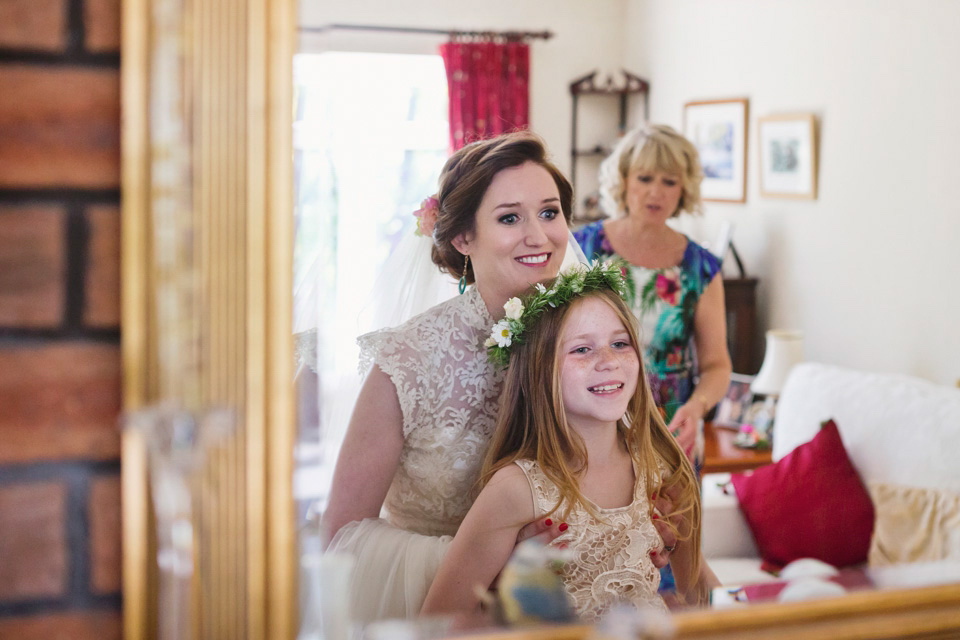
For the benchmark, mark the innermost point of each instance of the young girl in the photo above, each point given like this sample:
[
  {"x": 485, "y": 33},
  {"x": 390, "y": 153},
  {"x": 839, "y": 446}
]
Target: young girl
[{"x": 578, "y": 439}]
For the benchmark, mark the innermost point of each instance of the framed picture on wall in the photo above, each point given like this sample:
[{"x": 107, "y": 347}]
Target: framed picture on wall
[
  {"x": 788, "y": 156},
  {"x": 718, "y": 128}
]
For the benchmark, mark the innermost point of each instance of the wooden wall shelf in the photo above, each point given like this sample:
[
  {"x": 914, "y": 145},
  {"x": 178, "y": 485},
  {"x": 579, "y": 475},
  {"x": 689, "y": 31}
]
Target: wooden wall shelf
[{"x": 588, "y": 85}]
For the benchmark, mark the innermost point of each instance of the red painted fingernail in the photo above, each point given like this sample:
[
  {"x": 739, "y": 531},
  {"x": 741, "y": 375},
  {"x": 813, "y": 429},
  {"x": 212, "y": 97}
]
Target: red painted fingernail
[
  {"x": 656, "y": 517},
  {"x": 653, "y": 553},
  {"x": 653, "y": 497},
  {"x": 548, "y": 522},
  {"x": 563, "y": 526}
]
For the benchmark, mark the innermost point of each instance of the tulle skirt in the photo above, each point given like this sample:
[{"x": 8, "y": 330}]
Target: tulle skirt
[{"x": 393, "y": 568}]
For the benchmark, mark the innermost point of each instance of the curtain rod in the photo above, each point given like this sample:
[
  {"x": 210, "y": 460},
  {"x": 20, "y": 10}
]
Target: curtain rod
[{"x": 510, "y": 35}]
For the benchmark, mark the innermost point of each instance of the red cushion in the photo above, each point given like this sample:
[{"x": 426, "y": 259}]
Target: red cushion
[{"x": 810, "y": 504}]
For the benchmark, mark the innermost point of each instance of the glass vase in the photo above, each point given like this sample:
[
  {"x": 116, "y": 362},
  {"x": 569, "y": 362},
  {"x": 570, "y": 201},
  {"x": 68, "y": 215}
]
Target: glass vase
[{"x": 177, "y": 442}]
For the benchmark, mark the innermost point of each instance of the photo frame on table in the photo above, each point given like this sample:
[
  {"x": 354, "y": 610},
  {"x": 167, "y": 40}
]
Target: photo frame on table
[
  {"x": 788, "y": 156},
  {"x": 733, "y": 407},
  {"x": 718, "y": 129},
  {"x": 756, "y": 424}
]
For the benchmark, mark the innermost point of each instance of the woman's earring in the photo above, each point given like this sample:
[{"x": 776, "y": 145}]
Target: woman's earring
[{"x": 463, "y": 278}]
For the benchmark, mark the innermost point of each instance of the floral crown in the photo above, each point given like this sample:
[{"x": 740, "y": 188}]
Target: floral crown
[{"x": 576, "y": 281}]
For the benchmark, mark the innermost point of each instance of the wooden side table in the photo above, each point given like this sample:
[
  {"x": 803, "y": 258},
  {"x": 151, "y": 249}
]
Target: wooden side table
[{"x": 722, "y": 456}]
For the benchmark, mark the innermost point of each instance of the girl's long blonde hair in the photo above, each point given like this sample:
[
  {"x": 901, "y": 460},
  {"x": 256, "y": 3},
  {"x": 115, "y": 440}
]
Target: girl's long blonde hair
[{"x": 531, "y": 424}]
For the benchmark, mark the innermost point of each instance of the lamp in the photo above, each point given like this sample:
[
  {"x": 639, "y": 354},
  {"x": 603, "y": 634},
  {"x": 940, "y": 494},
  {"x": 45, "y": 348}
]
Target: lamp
[{"x": 784, "y": 349}]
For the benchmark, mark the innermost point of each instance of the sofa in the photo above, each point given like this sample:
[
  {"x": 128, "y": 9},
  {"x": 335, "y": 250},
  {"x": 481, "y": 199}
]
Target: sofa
[{"x": 902, "y": 437}]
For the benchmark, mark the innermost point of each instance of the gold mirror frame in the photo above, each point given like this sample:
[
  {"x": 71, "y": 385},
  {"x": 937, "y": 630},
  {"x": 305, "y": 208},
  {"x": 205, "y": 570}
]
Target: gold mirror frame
[
  {"x": 249, "y": 588},
  {"x": 236, "y": 68}
]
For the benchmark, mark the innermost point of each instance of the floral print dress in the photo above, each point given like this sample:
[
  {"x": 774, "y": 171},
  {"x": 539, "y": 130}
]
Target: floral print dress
[{"x": 664, "y": 301}]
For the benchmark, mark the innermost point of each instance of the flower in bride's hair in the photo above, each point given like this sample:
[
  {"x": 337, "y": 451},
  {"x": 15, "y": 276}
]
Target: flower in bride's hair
[
  {"x": 502, "y": 333},
  {"x": 489, "y": 342},
  {"x": 426, "y": 216},
  {"x": 514, "y": 308},
  {"x": 541, "y": 288}
]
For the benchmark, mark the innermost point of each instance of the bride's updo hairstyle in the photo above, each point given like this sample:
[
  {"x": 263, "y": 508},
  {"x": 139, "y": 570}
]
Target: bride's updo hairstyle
[{"x": 465, "y": 179}]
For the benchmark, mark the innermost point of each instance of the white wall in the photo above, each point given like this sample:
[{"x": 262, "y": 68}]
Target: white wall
[
  {"x": 588, "y": 36},
  {"x": 869, "y": 271}
]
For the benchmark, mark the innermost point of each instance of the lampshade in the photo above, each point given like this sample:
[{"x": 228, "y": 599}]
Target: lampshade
[{"x": 784, "y": 349}]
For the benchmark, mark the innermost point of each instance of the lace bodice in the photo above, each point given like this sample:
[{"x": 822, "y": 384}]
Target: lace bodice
[
  {"x": 448, "y": 394},
  {"x": 611, "y": 559}
]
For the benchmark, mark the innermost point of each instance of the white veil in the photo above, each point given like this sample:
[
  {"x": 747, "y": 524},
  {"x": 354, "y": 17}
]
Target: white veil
[{"x": 410, "y": 283}]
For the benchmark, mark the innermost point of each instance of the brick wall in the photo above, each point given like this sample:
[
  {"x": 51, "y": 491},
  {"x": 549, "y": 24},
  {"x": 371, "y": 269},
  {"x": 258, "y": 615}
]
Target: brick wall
[{"x": 59, "y": 319}]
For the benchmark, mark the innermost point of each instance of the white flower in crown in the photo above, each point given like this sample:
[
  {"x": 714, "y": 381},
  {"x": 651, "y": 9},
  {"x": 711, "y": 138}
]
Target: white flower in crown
[
  {"x": 489, "y": 342},
  {"x": 541, "y": 288},
  {"x": 514, "y": 308},
  {"x": 502, "y": 334}
]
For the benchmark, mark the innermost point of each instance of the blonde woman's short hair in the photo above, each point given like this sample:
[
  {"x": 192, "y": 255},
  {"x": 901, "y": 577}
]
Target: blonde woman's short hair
[{"x": 652, "y": 147}]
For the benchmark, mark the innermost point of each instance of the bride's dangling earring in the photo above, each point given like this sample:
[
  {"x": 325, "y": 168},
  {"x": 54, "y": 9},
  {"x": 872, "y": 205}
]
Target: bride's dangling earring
[{"x": 463, "y": 278}]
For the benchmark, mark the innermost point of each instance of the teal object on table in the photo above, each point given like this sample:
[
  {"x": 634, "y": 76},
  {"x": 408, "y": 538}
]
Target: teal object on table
[{"x": 530, "y": 589}]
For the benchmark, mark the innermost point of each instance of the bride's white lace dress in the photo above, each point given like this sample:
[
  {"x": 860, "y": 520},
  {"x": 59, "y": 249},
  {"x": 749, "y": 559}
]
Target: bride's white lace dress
[{"x": 449, "y": 395}]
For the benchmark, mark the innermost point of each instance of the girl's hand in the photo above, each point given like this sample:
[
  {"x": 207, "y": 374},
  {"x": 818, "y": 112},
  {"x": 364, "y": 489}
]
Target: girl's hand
[{"x": 684, "y": 425}]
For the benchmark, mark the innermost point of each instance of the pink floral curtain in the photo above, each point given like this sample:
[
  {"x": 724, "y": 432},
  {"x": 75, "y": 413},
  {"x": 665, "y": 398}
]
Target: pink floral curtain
[{"x": 489, "y": 89}]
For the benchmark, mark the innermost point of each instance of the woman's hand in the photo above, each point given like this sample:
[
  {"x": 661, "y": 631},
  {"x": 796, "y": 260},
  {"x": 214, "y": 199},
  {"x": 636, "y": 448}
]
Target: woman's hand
[
  {"x": 662, "y": 503},
  {"x": 544, "y": 530},
  {"x": 685, "y": 423}
]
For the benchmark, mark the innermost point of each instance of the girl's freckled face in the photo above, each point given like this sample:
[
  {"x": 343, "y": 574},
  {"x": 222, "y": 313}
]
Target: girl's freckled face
[{"x": 599, "y": 367}]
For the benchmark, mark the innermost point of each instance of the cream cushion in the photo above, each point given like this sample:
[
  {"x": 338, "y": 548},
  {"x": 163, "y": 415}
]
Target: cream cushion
[{"x": 913, "y": 525}]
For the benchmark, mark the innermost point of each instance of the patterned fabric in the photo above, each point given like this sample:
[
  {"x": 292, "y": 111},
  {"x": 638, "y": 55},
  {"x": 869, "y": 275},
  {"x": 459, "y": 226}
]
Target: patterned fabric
[
  {"x": 664, "y": 300},
  {"x": 448, "y": 394},
  {"x": 488, "y": 83},
  {"x": 611, "y": 557}
]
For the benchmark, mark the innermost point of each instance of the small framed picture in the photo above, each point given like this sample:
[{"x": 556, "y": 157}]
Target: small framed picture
[
  {"x": 718, "y": 129},
  {"x": 733, "y": 407},
  {"x": 788, "y": 156},
  {"x": 756, "y": 426}
]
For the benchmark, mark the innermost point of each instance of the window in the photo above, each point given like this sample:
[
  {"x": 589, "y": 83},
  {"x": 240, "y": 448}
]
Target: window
[{"x": 370, "y": 137}]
